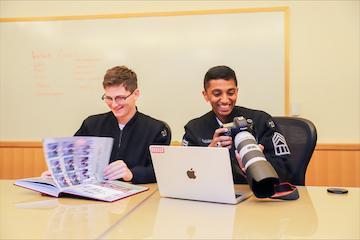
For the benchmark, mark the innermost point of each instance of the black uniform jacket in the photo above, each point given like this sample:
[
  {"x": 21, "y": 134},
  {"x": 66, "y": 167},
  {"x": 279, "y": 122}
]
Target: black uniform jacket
[
  {"x": 132, "y": 143},
  {"x": 200, "y": 131}
]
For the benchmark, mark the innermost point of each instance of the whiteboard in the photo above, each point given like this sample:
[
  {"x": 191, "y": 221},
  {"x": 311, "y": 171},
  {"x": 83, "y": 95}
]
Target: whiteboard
[{"x": 51, "y": 71}]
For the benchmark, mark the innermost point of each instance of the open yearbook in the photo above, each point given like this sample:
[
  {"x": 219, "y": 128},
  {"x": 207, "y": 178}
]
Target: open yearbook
[{"x": 77, "y": 165}]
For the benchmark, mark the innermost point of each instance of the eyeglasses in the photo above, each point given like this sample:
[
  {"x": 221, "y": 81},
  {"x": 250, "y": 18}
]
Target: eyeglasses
[{"x": 117, "y": 99}]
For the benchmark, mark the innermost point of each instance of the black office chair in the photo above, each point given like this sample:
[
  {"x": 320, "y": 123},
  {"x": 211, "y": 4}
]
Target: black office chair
[{"x": 301, "y": 137}]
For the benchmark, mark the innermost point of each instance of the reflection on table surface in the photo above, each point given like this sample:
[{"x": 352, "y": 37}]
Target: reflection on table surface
[
  {"x": 308, "y": 217},
  {"x": 316, "y": 215},
  {"x": 175, "y": 218},
  {"x": 28, "y": 214}
]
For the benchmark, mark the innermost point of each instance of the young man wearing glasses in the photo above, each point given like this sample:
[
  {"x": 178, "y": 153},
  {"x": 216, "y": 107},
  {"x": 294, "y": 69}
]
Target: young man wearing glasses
[
  {"x": 133, "y": 132},
  {"x": 220, "y": 90}
]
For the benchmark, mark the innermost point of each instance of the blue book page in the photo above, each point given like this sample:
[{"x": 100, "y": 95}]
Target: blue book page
[{"x": 74, "y": 161}]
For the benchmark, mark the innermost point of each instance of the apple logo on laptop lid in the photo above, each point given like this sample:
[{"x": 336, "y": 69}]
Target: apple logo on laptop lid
[{"x": 191, "y": 174}]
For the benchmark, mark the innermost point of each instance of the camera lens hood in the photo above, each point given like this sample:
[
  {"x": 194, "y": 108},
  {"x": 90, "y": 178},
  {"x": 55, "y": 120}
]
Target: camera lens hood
[{"x": 262, "y": 178}]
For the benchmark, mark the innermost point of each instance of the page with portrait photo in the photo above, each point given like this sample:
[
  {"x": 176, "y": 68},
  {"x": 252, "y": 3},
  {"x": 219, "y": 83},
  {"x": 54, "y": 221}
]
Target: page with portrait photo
[{"x": 73, "y": 161}]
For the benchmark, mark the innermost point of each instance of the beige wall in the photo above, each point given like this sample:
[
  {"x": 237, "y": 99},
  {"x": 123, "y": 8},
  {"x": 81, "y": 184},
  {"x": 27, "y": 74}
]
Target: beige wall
[{"x": 324, "y": 51}]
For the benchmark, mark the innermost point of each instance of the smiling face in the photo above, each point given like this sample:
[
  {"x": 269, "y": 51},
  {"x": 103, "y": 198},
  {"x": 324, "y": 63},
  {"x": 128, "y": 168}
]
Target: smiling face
[
  {"x": 121, "y": 102},
  {"x": 222, "y": 95}
]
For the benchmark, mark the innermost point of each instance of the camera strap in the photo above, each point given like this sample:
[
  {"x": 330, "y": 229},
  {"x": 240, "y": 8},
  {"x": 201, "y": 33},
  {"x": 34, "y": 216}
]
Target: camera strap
[{"x": 285, "y": 191}]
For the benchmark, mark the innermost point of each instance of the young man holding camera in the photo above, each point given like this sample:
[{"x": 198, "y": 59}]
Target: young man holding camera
[{"x": 220, "y": 90}]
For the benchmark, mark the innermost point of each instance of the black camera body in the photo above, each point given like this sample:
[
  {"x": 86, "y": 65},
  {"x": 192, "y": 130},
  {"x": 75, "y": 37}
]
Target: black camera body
[
  {"x": 260, "y": 174},
  {"x": 237, "y": 125}
]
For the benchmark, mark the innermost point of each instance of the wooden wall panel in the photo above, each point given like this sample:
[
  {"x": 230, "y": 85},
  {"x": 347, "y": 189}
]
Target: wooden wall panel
[
  {"x": 331, "y": 164},
  {"x": 334, "y": 165},
  {"x": 21, "y": 159}
]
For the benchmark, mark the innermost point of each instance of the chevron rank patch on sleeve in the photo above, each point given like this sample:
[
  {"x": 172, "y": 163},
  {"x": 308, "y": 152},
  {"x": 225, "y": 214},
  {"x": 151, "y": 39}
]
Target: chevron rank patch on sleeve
[{"x": 280, "y": 145}]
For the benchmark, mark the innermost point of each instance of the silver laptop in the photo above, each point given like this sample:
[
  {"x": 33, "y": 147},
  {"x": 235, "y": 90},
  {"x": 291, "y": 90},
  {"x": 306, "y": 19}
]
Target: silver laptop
[{"x": 195, "y": 173}]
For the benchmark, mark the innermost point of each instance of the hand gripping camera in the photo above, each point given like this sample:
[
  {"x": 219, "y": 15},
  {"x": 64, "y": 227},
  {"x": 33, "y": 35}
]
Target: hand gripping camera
[{"x": 260, "y": 174}]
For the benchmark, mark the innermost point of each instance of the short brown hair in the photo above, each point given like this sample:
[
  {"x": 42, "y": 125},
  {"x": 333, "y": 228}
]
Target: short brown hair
[{"x": 120, "y": 75}]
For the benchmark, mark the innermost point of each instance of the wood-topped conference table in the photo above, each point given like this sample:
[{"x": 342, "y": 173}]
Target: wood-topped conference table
[{"x": 25, "y": 214}]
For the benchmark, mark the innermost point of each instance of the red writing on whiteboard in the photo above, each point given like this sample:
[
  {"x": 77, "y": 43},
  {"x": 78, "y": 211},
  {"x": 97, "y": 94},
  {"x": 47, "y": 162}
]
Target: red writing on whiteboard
[{"x": 40, "y": 55}]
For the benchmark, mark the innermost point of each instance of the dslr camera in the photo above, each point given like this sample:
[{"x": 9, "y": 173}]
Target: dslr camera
[
  {"x": 238, "y": 124},
  {"x": 260, "y": 174}
]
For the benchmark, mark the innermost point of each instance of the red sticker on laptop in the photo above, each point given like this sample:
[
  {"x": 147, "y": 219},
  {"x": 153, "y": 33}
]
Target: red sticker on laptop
[{"x": 157, "y": 150}]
